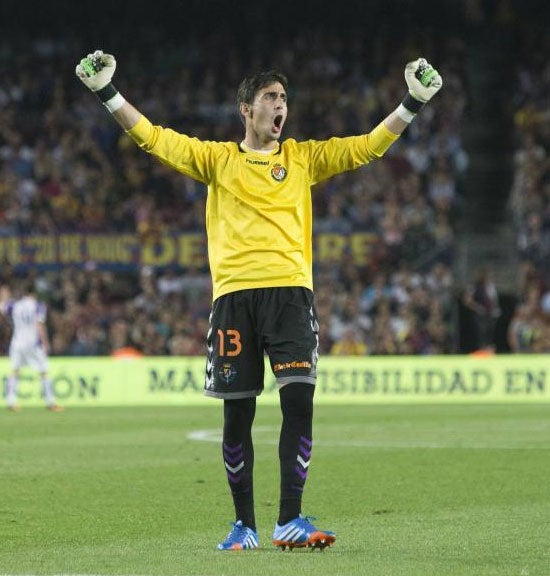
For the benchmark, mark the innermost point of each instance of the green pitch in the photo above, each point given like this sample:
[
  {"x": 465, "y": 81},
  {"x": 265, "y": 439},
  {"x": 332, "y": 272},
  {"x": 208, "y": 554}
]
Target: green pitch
[{"x": 409, "y": 490}]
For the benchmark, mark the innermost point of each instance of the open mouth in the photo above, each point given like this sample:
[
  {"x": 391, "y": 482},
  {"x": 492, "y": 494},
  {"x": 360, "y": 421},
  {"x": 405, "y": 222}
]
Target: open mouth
[{"x": 278, "y": 120}]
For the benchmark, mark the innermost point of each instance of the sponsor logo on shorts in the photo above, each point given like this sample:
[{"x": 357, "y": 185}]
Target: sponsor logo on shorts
[
  {"x": 227, "y": 373},
  {"x": 294, "y": 364}
]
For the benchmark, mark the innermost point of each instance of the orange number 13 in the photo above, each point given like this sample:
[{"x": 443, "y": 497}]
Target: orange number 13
[{"x": 234, "y": 345}]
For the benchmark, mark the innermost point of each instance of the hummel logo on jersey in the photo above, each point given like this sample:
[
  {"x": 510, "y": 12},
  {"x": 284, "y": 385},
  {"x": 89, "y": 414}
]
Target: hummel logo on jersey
[{"x": 278, "y": 172}]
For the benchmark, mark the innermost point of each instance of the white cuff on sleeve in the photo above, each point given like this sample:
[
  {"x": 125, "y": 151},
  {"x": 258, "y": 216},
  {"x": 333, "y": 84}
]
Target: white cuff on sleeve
[
  {"x": 405, "y": 115},
  {"x": 115, "y": 102}
]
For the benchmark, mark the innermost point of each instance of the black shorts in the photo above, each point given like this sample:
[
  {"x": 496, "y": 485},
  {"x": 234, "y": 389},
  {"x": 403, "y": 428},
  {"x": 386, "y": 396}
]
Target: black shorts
[{"x": 280, "y": 322}]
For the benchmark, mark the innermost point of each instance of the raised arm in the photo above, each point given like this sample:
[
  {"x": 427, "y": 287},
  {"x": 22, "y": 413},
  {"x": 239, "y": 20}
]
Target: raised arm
[
  {"x": 423, "y": 82},
  {"x": 96, "y": 72}
]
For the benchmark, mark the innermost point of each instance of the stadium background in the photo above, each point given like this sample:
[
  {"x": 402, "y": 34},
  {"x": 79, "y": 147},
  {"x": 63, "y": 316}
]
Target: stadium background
[
  {"x": 114, "y": 241},
  {"x": 411, "y": 488}
]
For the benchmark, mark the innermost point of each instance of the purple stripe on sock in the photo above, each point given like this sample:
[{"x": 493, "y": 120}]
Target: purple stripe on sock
[
  {"x": 301, "y": 473},
  {"x": 234, "y": 459},
  {"x": 304, "y": 440},
  {"x": 306, "y": 453},
  {"x": 233, "y": 478},
  {"x": 231, "y": 449}
]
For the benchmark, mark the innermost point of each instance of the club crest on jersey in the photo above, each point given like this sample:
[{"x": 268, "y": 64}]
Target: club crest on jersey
[
  {"x": 227, "y": 373},
  {"x": 278, "y": 172}
]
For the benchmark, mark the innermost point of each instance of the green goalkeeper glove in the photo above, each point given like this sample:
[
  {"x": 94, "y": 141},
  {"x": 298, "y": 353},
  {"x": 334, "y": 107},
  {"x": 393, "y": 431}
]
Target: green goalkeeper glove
[
  {"x": 96, "y": 72},
  {"x": 423, "y": 81}
]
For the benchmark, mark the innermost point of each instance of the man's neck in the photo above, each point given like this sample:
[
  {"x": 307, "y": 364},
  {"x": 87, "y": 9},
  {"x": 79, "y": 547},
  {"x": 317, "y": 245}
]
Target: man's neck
[{"x": 267, "y": 149}]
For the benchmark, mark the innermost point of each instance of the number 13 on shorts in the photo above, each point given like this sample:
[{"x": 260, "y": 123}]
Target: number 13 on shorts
[{"x": 229, "y": 342}]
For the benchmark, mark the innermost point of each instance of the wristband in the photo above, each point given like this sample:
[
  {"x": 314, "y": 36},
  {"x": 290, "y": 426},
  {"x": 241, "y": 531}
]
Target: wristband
[
  {"x": 111, "y": 98},
  {"x": 405, "y": 115},
  {"x": 412, "y": 104},
  {"x": 115, "y": 102},
  {"x": 106, "y": 93}
]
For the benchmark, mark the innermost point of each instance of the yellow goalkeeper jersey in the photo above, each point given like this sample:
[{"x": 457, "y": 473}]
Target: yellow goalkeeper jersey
[{"x": 259, "y": 209}]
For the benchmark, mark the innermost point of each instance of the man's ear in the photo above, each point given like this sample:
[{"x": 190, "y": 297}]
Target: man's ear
[{"x": 246, "y": 109}]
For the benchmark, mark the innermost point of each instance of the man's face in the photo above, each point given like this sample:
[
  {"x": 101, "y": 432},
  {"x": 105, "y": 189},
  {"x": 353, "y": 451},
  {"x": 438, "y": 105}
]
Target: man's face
[{"x": 266, "y": 116}]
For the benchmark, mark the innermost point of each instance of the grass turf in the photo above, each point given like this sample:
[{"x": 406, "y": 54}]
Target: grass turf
[{"x": 409, "y": 490}]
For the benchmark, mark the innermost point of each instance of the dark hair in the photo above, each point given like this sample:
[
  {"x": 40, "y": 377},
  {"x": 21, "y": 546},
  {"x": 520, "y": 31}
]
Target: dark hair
[
  {"x": 250, "y": 85},
  {"x": 24, "y": 287}
]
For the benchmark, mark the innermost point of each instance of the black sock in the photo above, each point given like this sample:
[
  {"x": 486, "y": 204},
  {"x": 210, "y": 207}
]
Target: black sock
[
  {"x": 238, "y": 456},
  {"x": 295, "y": 445}
]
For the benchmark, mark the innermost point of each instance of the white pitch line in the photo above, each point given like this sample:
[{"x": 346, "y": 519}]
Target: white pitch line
[{"x": 214, "y": 435}]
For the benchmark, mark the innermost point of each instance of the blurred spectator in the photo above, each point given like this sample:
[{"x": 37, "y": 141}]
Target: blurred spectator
[
  {"x": 350, "y": 343},
  {"x": 523, "y": 329},
  {"x": 481, "y": 298}
]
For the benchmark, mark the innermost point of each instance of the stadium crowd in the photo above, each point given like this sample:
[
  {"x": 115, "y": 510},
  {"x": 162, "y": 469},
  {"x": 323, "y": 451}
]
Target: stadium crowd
[
  {"x": 529, "y": 330},
  {"x": 65, "y": 166}
]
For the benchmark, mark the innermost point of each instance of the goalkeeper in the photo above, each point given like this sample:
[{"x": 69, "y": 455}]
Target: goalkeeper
[{"x": 259, "y": 228}]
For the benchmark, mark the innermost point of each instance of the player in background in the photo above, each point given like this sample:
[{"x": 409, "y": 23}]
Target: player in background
[
  {"x": 259, "y": 228},
  {"x": 29, "y": 344}
]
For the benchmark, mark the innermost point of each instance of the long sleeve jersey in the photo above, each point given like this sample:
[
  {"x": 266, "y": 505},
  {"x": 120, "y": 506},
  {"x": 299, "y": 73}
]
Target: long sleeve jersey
[{"x": 259, "y": 207}]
